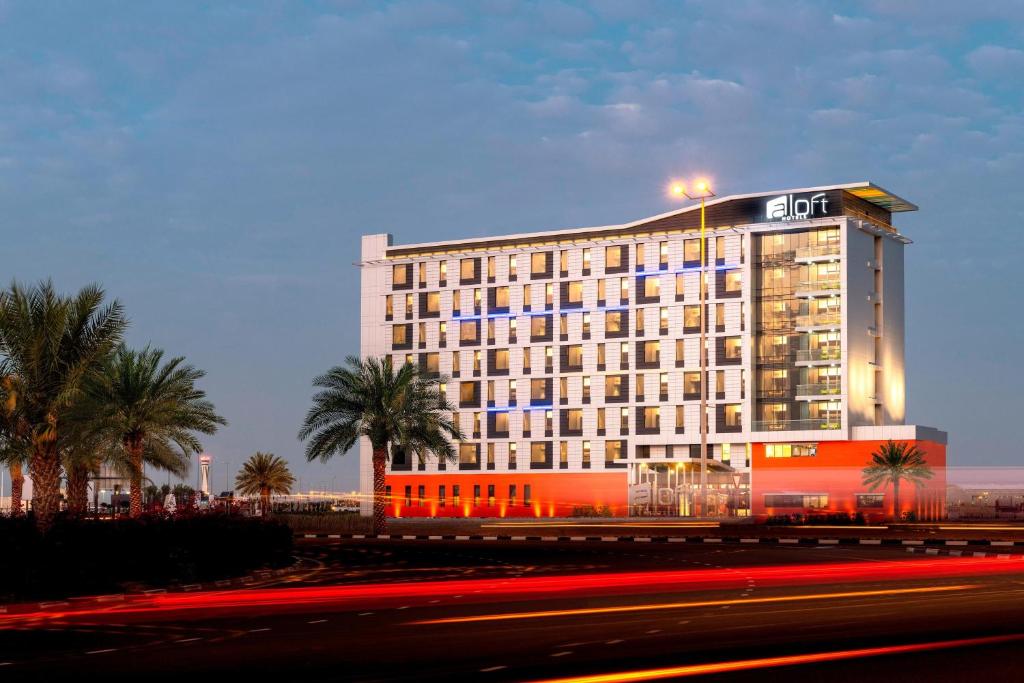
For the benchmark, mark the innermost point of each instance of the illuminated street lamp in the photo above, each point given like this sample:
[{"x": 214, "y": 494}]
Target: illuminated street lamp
[{"x": 701, "y": 189}]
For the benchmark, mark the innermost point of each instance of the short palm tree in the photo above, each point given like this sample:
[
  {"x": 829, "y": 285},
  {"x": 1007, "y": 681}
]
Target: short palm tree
[
  {"x": 892, "y": 463},
  {"x": 48, "y": 344},
  {"x": 394, "y": 409},
  {"x": 149, "y": 408},
  {"x": 262, "y": 475}
]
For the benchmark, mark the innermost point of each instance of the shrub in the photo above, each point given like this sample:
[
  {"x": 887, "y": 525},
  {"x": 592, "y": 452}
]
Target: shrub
[
  {"x": 591, "y": 511},
  {"x": 86, "y": 556}
]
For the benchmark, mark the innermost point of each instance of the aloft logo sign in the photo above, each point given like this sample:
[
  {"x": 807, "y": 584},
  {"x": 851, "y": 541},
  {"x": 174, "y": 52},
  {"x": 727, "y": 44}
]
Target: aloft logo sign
[{"x": 788, "y": 207}]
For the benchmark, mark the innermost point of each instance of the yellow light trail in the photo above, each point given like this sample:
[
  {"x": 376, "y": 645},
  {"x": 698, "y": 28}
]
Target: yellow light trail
[
  {"x": 974, "y": 527},
  {"x": 508, "y": 616},
  {"x": 788, "y": 660},
  {"x": 543, "y": 525}
]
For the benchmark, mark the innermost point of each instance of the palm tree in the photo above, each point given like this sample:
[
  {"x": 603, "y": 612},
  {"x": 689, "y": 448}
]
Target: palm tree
[
  {"x": 394, "y": 409},
  {"x": 13, "y": 442},
  {"x": 892, "y": 463},
  {"x": 48, "y": 343},
  {"x": 264, "y": 474},
  {"x": 149, "y": 409}
]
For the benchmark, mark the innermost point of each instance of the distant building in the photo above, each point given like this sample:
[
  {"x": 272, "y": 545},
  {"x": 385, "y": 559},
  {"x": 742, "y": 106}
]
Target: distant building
[{"x": 574, "y": 360}]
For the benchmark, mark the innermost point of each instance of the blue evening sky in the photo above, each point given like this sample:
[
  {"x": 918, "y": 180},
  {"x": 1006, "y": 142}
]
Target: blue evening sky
[{"x": 214, "y": 164}]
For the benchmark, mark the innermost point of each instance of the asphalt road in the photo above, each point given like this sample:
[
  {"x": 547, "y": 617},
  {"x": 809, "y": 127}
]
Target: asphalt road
[{"x": 416, "y": 611}]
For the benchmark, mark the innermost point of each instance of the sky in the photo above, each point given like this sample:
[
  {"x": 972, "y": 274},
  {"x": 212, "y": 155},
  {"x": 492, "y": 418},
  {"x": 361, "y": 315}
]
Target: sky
[{"x": 213, "y": 165}]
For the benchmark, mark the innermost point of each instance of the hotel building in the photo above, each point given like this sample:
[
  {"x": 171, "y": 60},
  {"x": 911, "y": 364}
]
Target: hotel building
[{"x": 573, "y": 358}]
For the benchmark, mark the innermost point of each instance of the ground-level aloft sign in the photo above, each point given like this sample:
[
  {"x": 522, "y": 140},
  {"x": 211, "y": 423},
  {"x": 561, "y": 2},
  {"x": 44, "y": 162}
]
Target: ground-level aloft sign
[{"x": 790, "y": 207}]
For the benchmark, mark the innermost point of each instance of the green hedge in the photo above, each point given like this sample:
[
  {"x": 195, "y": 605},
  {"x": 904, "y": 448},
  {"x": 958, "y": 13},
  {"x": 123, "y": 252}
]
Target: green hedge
[{"x": 81, "y": 556}]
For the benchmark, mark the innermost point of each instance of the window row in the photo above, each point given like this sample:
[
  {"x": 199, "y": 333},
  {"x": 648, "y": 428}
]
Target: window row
[{"x": 540, "y": 264}]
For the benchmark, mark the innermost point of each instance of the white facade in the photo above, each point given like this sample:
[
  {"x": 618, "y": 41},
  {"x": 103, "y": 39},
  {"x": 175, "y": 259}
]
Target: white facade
[{"x": 839, "y": 369}]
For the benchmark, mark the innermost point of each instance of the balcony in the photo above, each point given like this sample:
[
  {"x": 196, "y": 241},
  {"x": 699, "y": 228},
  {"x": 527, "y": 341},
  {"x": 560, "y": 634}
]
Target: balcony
[
  {"x": 816, "y": 320},
  {"x": 818, "y": 285},
  {"x": 822, "y": 354},
  {"x": 820, "y": 389},
  {"x": 818, "y": 252},
  {"x": 797, "y": 425}
]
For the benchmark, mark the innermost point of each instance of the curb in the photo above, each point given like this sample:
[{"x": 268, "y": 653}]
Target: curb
[
  {"x": 761, "y": 540},
  {"x": 56, "y": 605},
  {"x": 943, "y": 552}
]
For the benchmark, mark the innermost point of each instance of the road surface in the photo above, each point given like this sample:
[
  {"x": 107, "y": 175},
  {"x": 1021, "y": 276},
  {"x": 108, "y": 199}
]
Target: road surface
[{"x": 429, "y": 610}]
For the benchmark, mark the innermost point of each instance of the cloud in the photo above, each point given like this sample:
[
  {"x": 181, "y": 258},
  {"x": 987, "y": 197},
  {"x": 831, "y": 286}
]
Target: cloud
[{"x": 995, "y": 61}]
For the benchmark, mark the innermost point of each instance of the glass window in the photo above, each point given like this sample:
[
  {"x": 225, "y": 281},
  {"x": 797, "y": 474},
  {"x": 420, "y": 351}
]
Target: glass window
[
  {"x": 733, "y": 414},
  {"x": 469, "y": 330},
  {"x": 612, "y": 451},
  {"x": 501, "y": 297},
  {"x": 586, "y": 323},
  {"x": 680, "y": 417},
  {"x": 601, "y": 354},
  {"x": 613, "y": 257},
  {"x": 586, "y": 259},
  {"x": 652, "y": 287},
  {"x": 652, "y": 417},
  {"x": 600, "y": 418},
  {"x": 400, "y": 274},
  {"x": 467, "y": 391},
  {"x": 691, "y": 383},
  {"x": 399, "y": 334},
  {"x": 538, "y": 452},
  {"x": 467, "y": 268},
  {"x": 444, "y": 270},
  {"x": 575, "y": 419},
  {"x": 563, "y": 260},
  {"x": 733, "y": 281},
  {"x": 641, "y": 253},
  {"x": 539, "y": 389},
  {"x": 691, "y": 316},
  {"x": 613, "y": 386},
  {"x": 433, "y": 362},
  {"x": 433, "y": 302},
  {"x": 389, "y": 306},
  {"x": 680, "y": 287},
  {"x": 490, "y": 266},
  {"x": 501, "y": 359},
  {"x": 512, "y": 265},
  {"x": 613, "y": 321},
  {"x": 733, "y": 347},
  {"x": 574, "y": 355},
  {"x": 539, "y": 325},
  {"x": 624, "y": 287},
  {"x": 468, "y": 453},
  {"x": 691, "y": 251},
  {"x": 423, "y": 273},
  {"x": 501, "y": 422},
  {"x": 652, "y": 351},
  {"x": 538, "y": 263},
  {"x": 600, "y": 290},
  {"x": 576, "y": 292}
]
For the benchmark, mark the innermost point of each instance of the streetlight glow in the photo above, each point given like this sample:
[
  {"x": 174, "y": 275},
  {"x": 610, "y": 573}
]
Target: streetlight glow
[{"x": 677, "y": 190}]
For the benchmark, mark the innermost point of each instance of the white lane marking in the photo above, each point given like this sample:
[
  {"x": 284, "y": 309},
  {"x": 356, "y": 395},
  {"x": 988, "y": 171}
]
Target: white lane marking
[
  {"x": 365, "y": 614},
  {"x": 493, "y": 668},
  {"x": 561, "y": 654},
  {"x": 613, "y": 642},
  {"x": 100, "y": 652},
  {"x": 653, "y": 631},
  {"x": 317, "y": 621},
  {"x": 258, "y": 630},
  {"x": 187, "y": 640}
]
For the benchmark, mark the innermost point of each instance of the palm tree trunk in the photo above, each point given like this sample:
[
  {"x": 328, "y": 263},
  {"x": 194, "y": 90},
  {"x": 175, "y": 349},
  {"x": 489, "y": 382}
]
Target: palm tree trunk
[
  {"x": 380, "y": 513},
  {"x": 78, "y": 488},
  {"x": 17, "y": 486},
  {"x": 896, "y": 500},
  {"x": 134, "y": 446},
  {"x": 45, "y": 468},
  {"x": 265, "y": 502}
]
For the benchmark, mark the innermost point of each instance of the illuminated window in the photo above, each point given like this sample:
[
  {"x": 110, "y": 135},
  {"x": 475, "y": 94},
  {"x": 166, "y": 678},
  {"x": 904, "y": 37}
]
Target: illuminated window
[
  {"x": 501, "y": 359},
  {"x": 691, "y": 317},
  {"x": 601, "y": 354},
  {"x": 538, "y": 452},
  {"x": 680, "y": 286},
  {"x": 423, "y": 274},
  {"x": 538, "y": 325},
  {"x": 652, "y": 352},
  {"x": 538, "y": 263},
  {"x": 680, "y": 417},
  {"x": 586, "y": 323},
  {"x": 469, "y": 330},
  {"x": 512, "y": 448},
  {"x": 624, "y": 288},
  {"x": 612, "y": 451},
  {"x": 574, "y": 356},
  {"x": 490, "y": 266},
  {"x": 652, "y": 417},
  {"x": 586, "y": 259},
  {"x": 639, "y": 321},
  {"x": 641, "y": 254},
  {"x": 663, "y": 253},
  {"x": 538, "y": 389},
  {"x": 467, "y": 269},
  {"x": 526, "y": 358},
  {"x": 613, "y": 386},
  {"x": 652, "y": 287},
  {"x": 586, "y": 453},
  {"x": 468, "y": 392},
  {"x": 501, "y": 422},
  {"x": 601, "y": 418},
  {"x": 389, "y": 307},
  {"x": 400, "y": 274},
  {"x": 600, "y": 290},
  {"x": 501, "y": 297},
  {"x": 469, "y": 453},
  {"x": 733, "y": 281},
  {"x": 733, "y": 414},
  {"x": 613, "y": 321},
  {"x": 549, "y": 294},
  {"x": 563, "y": 260},
  {"x": 790, "y": 450},
  {"x": 442, "y": 333},
  {"x": 512, "y": 266},
  {"x": 870, "y": 500},
  {"x": 613, "y": 257},
  {"x": 586, "y": 388},
  {"x": 733, "y": 348},
  {"x": 400, "y": 334},
  {"x": 433, "y": 302},
  {"x": 433, "y": 362},
  {"x": 476, "y": 361},
  {"x": 576, "y": 292},
  {"x": 575, "y": 419},
  {"x": 444, "y": 271},
  {"x": 691, "y": 251}
]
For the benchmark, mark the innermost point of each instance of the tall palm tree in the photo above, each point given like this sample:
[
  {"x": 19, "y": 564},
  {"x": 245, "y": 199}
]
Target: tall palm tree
[
  {"x": 13, "y": 442},
  {"x": 48, "y": 343},
  {"x": 264, "y": 474},
  {"x": 149, "y": 408},
  {"x": 892, "y": 463},
  {"x": 394, "y": 409}
]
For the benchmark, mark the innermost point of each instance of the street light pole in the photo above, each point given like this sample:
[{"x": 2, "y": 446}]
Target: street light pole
[{"x": 701, "y": 190}]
